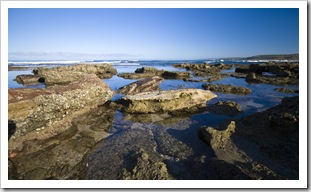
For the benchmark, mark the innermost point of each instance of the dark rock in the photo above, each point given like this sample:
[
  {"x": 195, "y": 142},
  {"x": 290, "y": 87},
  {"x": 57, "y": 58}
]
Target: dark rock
[
  {"x": 29, "y": 79},
  {"x": 286, "y": 90},
  {"x": 164, "y": 101},
  {"x": 146, "y": 72},
  {"x": 148, "y": 84},
  {"x": 225, "y": 108},
  {"x": 226, "y": 88}
]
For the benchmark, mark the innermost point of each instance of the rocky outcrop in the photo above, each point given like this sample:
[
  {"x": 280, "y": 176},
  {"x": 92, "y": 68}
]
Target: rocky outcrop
[
  {"x": 227, "y": 88},
  {"x": 225, "y": 108},
  {"x": 141, "y": 167},
  {"x": 252, "y": 143},
  {"x": 144, "y": 85},
  {"x": 286, "y": 90},
  {"x": 32, "y": 109},
  {"x": 67, "y": 74},
  {"x": 164, "y": 101},
  {"x": 146, "y": 72},
  {"x": 281, "y": 73},
  {"x": 204, "y": 69},
  {"x": 29, "y": 79}
]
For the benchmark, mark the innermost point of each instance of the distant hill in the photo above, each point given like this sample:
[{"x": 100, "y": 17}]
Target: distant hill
[{"x": 274, "y": 57}]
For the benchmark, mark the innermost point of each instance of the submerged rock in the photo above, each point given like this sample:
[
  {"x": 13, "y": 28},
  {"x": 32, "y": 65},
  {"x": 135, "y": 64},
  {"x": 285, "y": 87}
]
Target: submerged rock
[
  {"x": 30, "y": 109},
  {"x": 146, "y": 72},
  {"x": 165, "y": 101},
  {"x": 29, "y": 79},
  {"x": 227, "y": 88},
  {"x": 225, "y": 108},
  {"x": 67, "y": 74},
  {"x": 148, "y": 84}
]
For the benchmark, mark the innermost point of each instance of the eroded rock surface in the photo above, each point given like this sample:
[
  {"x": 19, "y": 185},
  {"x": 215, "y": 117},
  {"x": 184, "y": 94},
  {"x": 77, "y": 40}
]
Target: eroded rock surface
[
  {"x": 67, "y": 74},
  {"x": 144, "y": 85},
  {"x": 204, "y": 69},
  {"x": 32, "y": 109},
  {"x": 164, "y": 101},
  {"x": 227, "y": 88}
]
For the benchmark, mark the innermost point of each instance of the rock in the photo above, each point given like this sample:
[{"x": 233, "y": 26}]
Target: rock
[
  {"x": 225, "y": 108},
  {"x": 148, "y": 84},
  {"x": 227, "y": 88},
  {"x": 29, "y": 79},
  {"x": 218, "y": 139},
  {"x": 146, "y": 72},
  {"x": 250, "y": 77},
  {"x": 286, "y": 90},
  {"x": 67, "y": 74},
  {"x": 204, "y": 69},
  {"x": 141, "y": 167},
  {"x": 210, "y": 79},
  {"x": 35, "y": 108},
  {"x": 280, "y": 73},
  {"x": 165, "y": 101}
]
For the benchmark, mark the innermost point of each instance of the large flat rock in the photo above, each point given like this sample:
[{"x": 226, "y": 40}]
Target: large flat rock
[
  {"x": 67, "y": 74},
  {"x": 164, "y": 101}
]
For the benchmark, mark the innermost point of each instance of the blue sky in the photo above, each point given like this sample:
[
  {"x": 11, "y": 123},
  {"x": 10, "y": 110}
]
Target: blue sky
[{"x": 151, "y": 33}]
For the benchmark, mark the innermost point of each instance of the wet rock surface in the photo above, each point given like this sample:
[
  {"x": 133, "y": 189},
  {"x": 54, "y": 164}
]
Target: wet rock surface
[
  {"x": 227, "y": 88},
  {"x": 163, "y": 101},
  {"x": 144, "y": 85},
  {"x": 67, "y": 74},
  {"x": 210, "y": 79},
  {"x": 225, "y": 108},
  {"x": 253, "y": 142},
  {"x": 29, "y": 79},
  {"x": 146, "y": 72},
  {"x": 61, "y": 156}
]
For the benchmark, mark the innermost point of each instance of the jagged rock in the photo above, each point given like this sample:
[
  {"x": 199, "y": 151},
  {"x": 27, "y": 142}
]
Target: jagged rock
[
  {"x": 286, "y": 90},
  {"x": 148, "y": 84},
  {"x": 165, "y": 101},
  {"x": 226, "y": 88},
  {"x": 67, "y": 74},
  {"x": 250, "y": 77},
  {"x": 218, "y": 139},
  {"x": 29, "y": 79},
  {"x": 35, "y": 108},
  {"x": 225, "y": 108},
  {"x": 141, "y": 167},
  {"x": 146, "y": 72}
]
